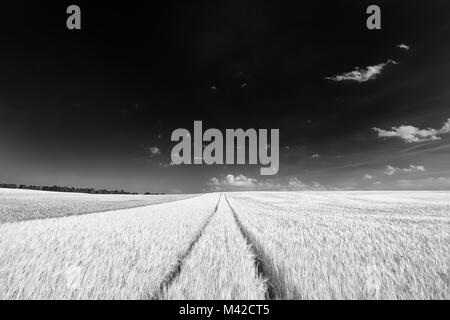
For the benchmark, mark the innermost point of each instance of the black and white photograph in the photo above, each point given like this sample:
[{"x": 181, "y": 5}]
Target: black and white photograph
[{"x": 247, "y": 151}]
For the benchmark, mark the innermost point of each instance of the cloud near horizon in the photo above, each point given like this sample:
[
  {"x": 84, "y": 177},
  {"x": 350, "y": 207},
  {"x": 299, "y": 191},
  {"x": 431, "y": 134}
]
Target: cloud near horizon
[
  {"x": 412, "y": 134},
  {"x": 241, "y": 182},
  {"x": 390, "y": 170},
  {"x": 362, "y": 75}
]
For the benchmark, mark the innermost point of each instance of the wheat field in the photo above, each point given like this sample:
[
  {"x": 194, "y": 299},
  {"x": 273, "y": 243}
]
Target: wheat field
[
  {"x": 222, "y": 262},
  {"x": 240, "y": 245},
  {"x": 123, "y": 254},
  {"x": 19, "y": 205},
  {"x": 351, "y": 246}
]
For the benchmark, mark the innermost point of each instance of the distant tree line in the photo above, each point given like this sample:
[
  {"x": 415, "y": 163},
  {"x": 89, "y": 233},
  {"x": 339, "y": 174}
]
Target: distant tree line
[{"x": 70, "y": 189}]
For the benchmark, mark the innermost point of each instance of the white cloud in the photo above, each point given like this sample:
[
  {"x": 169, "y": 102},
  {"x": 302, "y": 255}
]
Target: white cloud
[
  {"x": 413, "y": 134},
  {"x": 416, "y": 168},
  {"x": 317, "y": 186},
  {"x": 295, "y": 183},
  {"x": 315, "y": 156},
  {"x": 214, "y": 181},
  {"x": 446, "y": 127},
  {"x": 409, "y": 134},
  {"x": 403, "y": 46},
  {"x": 390, "y": 170},
  {"x": 368, "y": 176},
  {"x": 239, "y": 181},
  {"x": 154, "y": 151},
  {"x": 362, "y": 75}
]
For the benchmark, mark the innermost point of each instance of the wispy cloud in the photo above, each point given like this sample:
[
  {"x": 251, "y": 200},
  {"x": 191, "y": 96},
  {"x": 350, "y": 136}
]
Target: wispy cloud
[
  {"x": 295, "y": 184},
  {"x": 412, "y": 134},
  {"x": 390, "y": 170},
  {"x": 154, "y": 151},
  {"x": 362, "y": 74},
  {"x": 165, "y": 164},
  {"x": 403, "y": 46},
  {"x": 368, "y": 176},
  {"x": 315, "y": 156}
]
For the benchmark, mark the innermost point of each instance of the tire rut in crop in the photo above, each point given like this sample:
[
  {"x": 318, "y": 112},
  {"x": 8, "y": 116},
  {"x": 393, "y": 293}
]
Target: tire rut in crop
[
  {"x": 262, "y": 263},
  {"x": 176, "y": 270}
]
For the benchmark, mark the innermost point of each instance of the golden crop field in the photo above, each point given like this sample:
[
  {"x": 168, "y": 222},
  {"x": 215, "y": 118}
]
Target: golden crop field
[{"x": 242, "y": 245}]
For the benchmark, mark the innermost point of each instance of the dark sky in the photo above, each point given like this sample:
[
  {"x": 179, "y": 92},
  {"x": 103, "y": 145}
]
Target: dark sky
[{"x": 84, "y": 108}]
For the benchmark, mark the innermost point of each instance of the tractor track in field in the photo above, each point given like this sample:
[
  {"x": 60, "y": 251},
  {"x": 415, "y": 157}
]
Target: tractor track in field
[
  {"x": 264, "y": 267},
  {"x": 262, "y": 264},
  {"x": 176, "y": 270}
]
